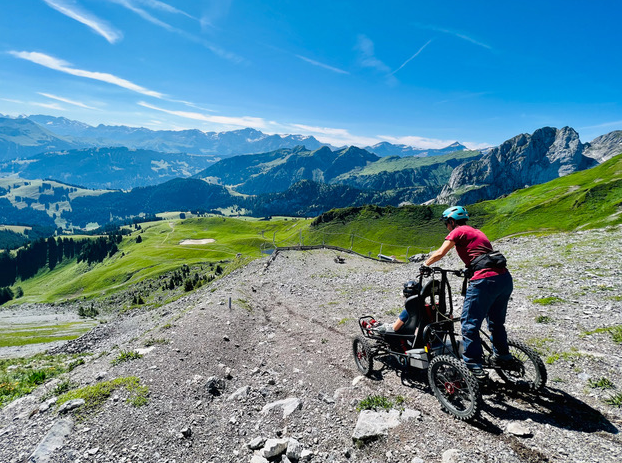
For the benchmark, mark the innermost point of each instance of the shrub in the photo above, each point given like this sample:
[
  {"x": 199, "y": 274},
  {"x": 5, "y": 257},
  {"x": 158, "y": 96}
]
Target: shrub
[
  {"x": 126, "y": 356},
  {"x": 602, "y": 383}
]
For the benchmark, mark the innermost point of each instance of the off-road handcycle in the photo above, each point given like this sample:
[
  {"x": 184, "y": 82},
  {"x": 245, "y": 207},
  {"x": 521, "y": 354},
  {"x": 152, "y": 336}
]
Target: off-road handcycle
[{"x": 429, "y": 341}]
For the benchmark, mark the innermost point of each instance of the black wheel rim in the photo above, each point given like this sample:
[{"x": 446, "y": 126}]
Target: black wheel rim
[{"x": 453, "y": 388}]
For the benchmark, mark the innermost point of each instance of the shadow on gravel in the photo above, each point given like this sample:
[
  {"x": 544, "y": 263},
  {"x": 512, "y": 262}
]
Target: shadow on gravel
[{"x": 552, "y": 406}]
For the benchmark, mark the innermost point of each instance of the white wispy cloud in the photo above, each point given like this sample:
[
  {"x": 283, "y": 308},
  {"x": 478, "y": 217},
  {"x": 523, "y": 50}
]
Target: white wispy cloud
[
  {"x": 54, "y": 106},
  {"x": 143, "y": 14},
  {"x": 603, "y": 125},
  {"x": 63, "y": 66},
  {"x": 368, "y": 59},
  {"x": 10, "y": 100},
  {"x": 244, "y": 121},
  {"x": 413, "y": 56},
  {"x": 458, "y": 34},
  {"x": 214, "y": 11},
  {"x": 217, "y": 50},
  {"x": 98, "y": 25},
  {"x": 322, "y": 65},
  {"x": 66, "y": 100},
  {"x": 157, "y": 5}
]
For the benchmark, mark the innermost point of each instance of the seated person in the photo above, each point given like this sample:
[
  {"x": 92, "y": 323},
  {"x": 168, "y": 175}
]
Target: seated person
[{"x": 402, "y": 318}]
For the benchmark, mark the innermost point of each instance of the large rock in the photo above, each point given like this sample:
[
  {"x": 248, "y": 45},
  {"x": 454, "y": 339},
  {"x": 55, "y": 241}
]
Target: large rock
[
  {"x": 372, "y": 424},
  {"x": 524, "y": 160},
  {"x": 52, "y": 441},
  {"x": 274, "y": 447}
]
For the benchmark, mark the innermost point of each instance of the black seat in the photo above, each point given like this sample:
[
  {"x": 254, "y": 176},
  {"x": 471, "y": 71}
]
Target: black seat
[{"x": 420, "y": 314}]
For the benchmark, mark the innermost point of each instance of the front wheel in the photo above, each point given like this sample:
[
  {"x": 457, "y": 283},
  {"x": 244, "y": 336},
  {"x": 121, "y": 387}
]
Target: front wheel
[
  {"x": 527, "y": 371},
  {"x": 362, "y": 355},
  {"x": 455, "y": 387}
]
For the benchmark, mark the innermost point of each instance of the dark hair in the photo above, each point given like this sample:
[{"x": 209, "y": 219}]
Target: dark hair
[{"x": 461, "y": 222}]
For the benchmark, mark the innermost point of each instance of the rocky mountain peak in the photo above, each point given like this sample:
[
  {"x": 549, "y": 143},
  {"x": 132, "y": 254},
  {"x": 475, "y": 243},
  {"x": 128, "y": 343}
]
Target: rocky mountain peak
[
  {"x": 523, "y": 160},
  {"x": 605, "y": 147}
]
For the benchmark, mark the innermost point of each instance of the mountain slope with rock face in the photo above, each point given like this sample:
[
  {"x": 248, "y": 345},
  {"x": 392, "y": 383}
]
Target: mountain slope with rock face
[
  {"x": 605, "y": 147},
  {"x": 273, "y": 371},
  {"x": 521, "y": 161},
  {"x": 277, "y": 171}
]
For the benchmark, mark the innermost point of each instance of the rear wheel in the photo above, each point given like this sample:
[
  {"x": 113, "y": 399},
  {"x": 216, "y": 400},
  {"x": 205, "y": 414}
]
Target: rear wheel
[
  {"x": 527, "y": 371},
  {"x": 455, "y": 387},
  {"x": 362, "y": 355}
]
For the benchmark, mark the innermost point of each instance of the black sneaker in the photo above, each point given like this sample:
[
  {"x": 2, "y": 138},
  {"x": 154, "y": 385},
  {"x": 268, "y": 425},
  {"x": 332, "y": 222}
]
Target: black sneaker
[
  {"x": 480, "y": 374},
  {"x": 512, "y": 363}
]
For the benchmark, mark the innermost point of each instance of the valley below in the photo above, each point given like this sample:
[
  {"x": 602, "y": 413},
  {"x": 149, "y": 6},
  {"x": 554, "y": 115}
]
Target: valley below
[{"x": 265, "y": 353}]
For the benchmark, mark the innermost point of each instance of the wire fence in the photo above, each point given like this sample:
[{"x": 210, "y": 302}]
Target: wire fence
[{"x": 343, "y": 242}]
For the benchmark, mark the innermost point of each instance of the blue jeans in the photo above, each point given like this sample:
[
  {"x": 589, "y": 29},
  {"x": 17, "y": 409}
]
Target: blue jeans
[{"x": 485, "y": 299}]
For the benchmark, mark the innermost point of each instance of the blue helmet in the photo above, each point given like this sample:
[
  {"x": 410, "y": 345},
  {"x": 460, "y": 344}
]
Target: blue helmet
[{"x": 456, "y": 213}]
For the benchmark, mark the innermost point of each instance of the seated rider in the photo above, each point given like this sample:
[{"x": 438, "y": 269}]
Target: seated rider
[{"x": 487, "y": 295}]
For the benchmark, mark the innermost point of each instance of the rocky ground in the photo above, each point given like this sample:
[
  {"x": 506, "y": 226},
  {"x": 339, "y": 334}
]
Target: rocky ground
[{"x": 265, "y": 353}]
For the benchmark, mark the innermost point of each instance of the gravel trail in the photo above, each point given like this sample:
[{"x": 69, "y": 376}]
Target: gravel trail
[{"x": 284, "y": 331}]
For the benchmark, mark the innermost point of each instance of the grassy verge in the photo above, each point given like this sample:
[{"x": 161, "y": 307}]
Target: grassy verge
[
  {"x": 21, "y": 376},
  {"x": 94, "y": 396}
]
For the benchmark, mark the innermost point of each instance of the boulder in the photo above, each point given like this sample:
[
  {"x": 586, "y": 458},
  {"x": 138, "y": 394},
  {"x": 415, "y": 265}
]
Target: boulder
[{"x": 373, "y": 424}]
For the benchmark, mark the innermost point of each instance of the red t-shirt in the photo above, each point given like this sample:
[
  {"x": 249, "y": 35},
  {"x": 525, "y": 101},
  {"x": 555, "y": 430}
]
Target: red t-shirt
[{"x": 471, "y": 243}]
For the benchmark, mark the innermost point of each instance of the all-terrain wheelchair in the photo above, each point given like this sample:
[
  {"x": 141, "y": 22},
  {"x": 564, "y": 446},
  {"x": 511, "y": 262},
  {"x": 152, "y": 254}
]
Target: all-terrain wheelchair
[{"x": 428, "y": 341}]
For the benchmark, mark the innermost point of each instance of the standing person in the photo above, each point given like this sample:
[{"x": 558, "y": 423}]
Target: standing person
[{"x": 488, "y": 292}]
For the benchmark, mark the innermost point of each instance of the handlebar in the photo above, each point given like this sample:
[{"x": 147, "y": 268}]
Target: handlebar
[{"x": 424, "y": 270}]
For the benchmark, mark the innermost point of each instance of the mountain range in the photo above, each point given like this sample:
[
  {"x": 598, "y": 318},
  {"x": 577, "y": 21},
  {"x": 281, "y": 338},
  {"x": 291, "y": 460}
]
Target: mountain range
[
  {"x": 299, "y": 179},
  {"x": 49, "y": 133}
]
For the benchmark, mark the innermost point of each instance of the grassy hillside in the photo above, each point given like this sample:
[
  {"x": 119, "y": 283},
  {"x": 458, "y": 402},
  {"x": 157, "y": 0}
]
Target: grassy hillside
[
  {"x": 372, "y": 230},
  {"x": 160, "y": 251},
  {"x": 394, "y": 163}
]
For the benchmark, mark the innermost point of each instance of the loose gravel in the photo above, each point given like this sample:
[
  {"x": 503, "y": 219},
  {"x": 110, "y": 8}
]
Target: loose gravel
[{"x": 282, "y": 328}]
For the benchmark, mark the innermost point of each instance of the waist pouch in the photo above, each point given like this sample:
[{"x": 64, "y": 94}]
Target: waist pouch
[{"x": 492, "y": 259}]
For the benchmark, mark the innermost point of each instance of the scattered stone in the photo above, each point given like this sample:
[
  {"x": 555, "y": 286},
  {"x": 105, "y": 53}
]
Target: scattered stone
[
  {"x": 186, "y": 432},
  {"x": 409, "y": 415},
  {"x": 289, "y": 405},
  {"x": 241, "y": 393},
  {"x": 256, "y": 443},
  {"x": 70, "y": 405},
  {"x": 357, "y": 380},
  {"x": 274, "y": 447},
  {"x": 451, "y": 456},
  {"x": 294, "y": 449},
  {"x": 518, "y": 429},
  {"x": 258, "y": 459},
  {"x": 215, "y": 386}
]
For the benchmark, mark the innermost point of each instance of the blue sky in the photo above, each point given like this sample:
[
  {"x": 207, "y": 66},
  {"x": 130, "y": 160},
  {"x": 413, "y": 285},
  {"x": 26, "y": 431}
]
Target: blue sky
[{"x": 423, "y": 73}]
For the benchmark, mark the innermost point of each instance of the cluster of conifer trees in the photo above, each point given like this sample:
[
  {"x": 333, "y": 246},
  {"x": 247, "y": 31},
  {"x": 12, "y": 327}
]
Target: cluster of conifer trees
[{"x": 52, "y": 251}]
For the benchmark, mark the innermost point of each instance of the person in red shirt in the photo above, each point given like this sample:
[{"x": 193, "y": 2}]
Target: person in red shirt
[{"x": 487, "y": 295}]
